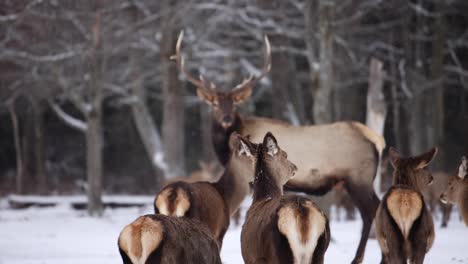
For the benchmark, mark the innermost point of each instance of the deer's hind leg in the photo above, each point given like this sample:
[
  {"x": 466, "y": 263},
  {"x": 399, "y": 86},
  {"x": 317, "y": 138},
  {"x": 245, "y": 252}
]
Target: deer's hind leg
[{"x": 366, "y": 201}]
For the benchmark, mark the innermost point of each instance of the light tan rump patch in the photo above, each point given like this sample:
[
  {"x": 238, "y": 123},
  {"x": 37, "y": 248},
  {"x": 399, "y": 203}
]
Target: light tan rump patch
[
  {"x": 302, "y": 231},
  {"x": 173, "y": 205},
  {"x": 140, "y": 238},
  {"x": 162, "y": 201},
  {"x": 182, "y": 203},
  {"x": 404, "y": 206}
]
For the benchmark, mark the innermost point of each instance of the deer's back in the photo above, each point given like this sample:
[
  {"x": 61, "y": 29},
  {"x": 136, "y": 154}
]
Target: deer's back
[
  {"x": 199, "y": 200},
  {"x": 337, "y": 149},
  {"x": 153, "y": 239}
]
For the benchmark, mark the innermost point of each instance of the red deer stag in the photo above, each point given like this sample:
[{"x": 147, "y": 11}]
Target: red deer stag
[
  {"x": 324, "y": 154},
  {"x": 457, "y": 190},
  {"x": 403, "y": 224},
  {"x": 154, "y": 239},
  {"x": 212, "y": 203},
  {"x": 281, "y": 229}
]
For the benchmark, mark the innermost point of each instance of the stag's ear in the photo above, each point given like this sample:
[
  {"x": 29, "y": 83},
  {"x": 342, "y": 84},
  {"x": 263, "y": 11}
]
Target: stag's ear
[
  {"x": 206, "y": 96},
  {"x": 463, "y": 168},
  {"x": 241, "y": 95},
  {"x": 394, "y": 157},
  {"x": 270, "y": 144},
  {"x": 423, "y": 160}
]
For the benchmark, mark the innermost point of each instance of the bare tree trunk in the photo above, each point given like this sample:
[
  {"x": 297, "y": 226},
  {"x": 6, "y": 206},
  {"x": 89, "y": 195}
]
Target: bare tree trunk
[
  {"x": 148, "y": 131},
  {"x": 280, "y": 84},
  {"x": 323, "y": 108},
  {"x": 41, "y": 176},
  {"x": 173, "y": 131},
  {"x": 94, "y": 135},
  {"x": 435, "y": 103},
  {"x": 18, "y": 149},
  {"x": 376, "y": 108}
]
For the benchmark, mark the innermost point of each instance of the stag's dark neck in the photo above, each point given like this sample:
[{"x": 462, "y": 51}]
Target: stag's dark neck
[
  {"x": 265, "y": 185},
  {"x": 233, "y": 186},
  {"x": 221, "y": 136}
]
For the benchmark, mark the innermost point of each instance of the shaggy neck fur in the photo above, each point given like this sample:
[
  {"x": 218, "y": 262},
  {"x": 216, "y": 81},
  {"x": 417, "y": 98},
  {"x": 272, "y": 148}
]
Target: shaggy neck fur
[
  {"x": 220, "y": 137},
  {"x": 265, "y": 185},
  {"x": 234, "y": 184}
]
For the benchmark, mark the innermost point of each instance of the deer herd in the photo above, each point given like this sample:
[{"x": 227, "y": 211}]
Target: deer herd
[{"x": 270, "y": 157}]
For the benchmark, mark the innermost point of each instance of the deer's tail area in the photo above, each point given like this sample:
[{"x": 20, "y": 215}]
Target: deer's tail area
[
  {"x": 141, "y": 238},
  {"x": 302, "y": 223}
]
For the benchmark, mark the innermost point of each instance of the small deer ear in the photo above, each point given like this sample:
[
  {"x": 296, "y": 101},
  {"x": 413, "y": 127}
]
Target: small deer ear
[
  {"x": 207, "y": 97},
  {"x": 269, "y": 141},
  {"x": 394, "y": 157},
  {"x": 244, "y": 148},
  {"x": 463, "y": 168},
  {"x": 426, "y": 158},
  {"x": 241, "y": 95}
]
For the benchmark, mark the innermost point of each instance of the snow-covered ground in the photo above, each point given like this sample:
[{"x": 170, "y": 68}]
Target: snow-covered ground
[{"x": 60, "y": 235}]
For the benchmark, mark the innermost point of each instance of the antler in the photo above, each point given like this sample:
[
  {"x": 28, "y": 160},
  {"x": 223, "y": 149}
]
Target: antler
[
  {"x": 179, "y": 58},
  {"x": 251, "y": 81}
]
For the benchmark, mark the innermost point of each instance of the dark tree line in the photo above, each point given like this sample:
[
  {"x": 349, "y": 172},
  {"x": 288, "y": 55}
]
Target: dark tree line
[{"x": 89, "y": 98}]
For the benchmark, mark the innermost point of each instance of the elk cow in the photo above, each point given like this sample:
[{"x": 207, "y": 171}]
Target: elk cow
[
  {"x": 154, "y": 239},
  {"x": 457, "y": 190},
  {"x": 324, "y": 154},
  {"x": 212, "y": 203},
  {"x": 403, "y": 224},
  {"x": 432, "y": 196},
  {"x": 281, "y": 229}
]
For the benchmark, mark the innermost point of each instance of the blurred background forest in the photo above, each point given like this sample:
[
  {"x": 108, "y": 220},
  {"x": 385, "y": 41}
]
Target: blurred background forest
[{"x": 87, "y": 89}]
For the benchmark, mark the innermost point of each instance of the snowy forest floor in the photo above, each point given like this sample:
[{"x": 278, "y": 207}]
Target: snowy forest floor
[{"x": 66, "y": 236}]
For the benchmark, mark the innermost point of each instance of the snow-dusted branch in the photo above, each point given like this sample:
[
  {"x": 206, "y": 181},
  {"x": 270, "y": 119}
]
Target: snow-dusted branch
[
  {"x": 39, "y": 58},
  {"x": 68, "y": 119}
]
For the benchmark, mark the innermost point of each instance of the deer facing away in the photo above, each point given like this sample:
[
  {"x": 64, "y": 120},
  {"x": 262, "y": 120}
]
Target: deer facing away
[
  {"x": 154, "y": 239},
  {"x": 404, "y": 226},
  {"x": 324, "y": 154},
  {"x": 212, "y": 203},
  {"x": 457, "y": 190},
  {"x": 281, "y": 229}
]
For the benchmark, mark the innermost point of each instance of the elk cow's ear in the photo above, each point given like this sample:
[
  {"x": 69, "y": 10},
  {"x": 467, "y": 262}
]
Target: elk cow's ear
[
  {"x": 244, "y": 148},
  {"x": 423, "y": 160},
  {"x": 270, "y": 143},
  {"x": 241, "y": 95},
  {"x": 394, "y": 157},
  {"x": 463, "y": 168},
  {"x": 205, "y": 96}
]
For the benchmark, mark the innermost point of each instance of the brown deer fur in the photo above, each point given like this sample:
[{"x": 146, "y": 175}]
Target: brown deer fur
[
  {"x": 457, "y": 190},
  {"x": 324, "y": 154},
  {"x": 154, "y": 239},
  {"x": 432, "y": 197},
  {"x": 212, "y": 203},
  {"x": 207, "y": 172},
  {"x": 404, "y": 226},
  {"x": 281, "y": 229}
]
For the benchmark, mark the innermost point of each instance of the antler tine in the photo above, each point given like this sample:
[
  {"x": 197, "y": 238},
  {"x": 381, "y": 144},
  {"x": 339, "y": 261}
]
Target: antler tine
[
  {"x": 266, "y": 68},
  {"x": 179, "y": 58}
]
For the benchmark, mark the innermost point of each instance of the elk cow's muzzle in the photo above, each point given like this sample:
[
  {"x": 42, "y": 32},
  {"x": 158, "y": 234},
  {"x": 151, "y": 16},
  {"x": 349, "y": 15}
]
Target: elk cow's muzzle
[{"x": 443, "y": 199}]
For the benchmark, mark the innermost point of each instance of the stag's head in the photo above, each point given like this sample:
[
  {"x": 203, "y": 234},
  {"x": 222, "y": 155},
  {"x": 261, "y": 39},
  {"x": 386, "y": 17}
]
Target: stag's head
[
  {"x": 223, "y": 103},
  {"x": 412, "y": 171},
  {"x": 456, "y": 183}
]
